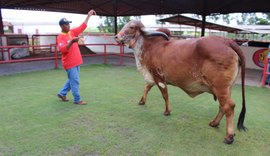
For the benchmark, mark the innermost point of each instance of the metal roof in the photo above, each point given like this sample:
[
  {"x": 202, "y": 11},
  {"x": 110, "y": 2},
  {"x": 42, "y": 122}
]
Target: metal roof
[
  {"x": 179, "y": 19},
  {"x": 140, "y": 7},
  {"x": 261, "y": 29}
]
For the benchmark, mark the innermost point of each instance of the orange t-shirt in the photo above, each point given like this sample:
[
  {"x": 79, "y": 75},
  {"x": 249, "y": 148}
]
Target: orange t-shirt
[{"x": 70, "y": 57}]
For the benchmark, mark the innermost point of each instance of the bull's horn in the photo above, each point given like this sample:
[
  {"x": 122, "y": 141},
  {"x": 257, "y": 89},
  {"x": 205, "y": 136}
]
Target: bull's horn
[{"x": 156, "y": 33}]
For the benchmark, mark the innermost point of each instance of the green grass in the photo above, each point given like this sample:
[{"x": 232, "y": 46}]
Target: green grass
[{"x": 33, "y": 121}]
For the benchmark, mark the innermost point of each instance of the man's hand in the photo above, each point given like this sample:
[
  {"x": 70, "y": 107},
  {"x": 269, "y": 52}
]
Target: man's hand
[
  {"x": 91, "y": 12},
  {"x": 75, "y": 39}
]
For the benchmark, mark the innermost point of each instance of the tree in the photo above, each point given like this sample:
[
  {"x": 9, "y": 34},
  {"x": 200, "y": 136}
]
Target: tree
[
  {"x": 215, "y": 17},
  {"x": 265, "y": 20},
  {"x": 246, "y": 18},
  {"x": 262, "y": 21},
  {"x": 107, "y": 24},
  {"x": 226, "y": 18},
  {"x": 159, "y": 17},
  {"x": 253, "y": 19},
  {"x": 267, "y": 16},
  {"x": 242, "y": 19},
  {"x": 122, "y": 21}
]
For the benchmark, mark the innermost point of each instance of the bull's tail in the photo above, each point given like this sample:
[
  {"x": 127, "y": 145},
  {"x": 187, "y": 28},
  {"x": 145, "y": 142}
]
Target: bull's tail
[{"x": 242, "y": 62}]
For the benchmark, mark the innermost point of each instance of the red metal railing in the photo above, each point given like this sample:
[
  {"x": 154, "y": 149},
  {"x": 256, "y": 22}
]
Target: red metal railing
[
  {"x": 265, "y": 71},
  {"x": 56, "y": 57},
  {"x": 36, "y": 41},
  {"x": 6, "y": 49}
]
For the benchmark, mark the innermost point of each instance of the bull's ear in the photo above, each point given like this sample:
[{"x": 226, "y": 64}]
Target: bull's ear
[
  {"x": 138, "y": 33},
  {"x": 133, "y": 41}
]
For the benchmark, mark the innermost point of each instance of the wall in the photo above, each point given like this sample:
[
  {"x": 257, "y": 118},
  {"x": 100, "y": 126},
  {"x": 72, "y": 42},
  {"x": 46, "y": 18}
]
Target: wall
[{"x": 255, "y": 56}]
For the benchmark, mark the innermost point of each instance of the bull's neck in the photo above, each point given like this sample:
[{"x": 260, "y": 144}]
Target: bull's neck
[
  {"x": 138, "y": 46},
  {"x": 138, "y": 51}
]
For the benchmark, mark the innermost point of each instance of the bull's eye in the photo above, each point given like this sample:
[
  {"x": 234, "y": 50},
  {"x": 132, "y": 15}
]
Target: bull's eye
[{"x": 131, "y": 27}]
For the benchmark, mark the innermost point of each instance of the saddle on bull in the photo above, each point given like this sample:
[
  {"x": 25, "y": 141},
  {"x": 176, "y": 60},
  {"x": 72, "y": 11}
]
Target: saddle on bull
[{"x": 207, "y": 64}]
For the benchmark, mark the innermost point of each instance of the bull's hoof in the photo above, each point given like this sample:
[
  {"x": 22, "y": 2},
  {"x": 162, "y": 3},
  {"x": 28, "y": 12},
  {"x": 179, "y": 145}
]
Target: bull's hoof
[
  {"x": 214, "y": 124},
  {"x": 229, "y": 139},
  {"x": 167, "y": 113},
  {"x": 141, "y": 103}
]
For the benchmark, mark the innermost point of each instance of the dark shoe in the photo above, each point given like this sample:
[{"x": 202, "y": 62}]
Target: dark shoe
[
  {"x": 80, "y": 103},
  {"x": 63, "y": 98}
]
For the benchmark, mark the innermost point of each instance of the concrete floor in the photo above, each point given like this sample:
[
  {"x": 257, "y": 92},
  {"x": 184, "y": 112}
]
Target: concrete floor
[
  {"x": 14, "y": 68},
  {"x": 253, "y": 77}
]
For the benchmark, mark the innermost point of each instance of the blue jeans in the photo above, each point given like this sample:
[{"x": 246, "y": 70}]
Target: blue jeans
[
  {"x": 72, "y": 83},
  {"x": 268, "y": 76}
]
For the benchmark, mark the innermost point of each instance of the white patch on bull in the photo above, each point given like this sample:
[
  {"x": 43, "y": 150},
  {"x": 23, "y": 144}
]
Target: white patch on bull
[
  {"x": 142, "y": 69},
  {"x": 162, "y": 85}
]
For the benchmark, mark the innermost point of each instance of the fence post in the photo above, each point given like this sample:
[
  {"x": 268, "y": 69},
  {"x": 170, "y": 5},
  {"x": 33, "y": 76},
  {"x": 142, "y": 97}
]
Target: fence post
[
  {"x": 56, "y": 57},
  {"x": 121, "y": 54},
  {"x": 105, "y": 54}
]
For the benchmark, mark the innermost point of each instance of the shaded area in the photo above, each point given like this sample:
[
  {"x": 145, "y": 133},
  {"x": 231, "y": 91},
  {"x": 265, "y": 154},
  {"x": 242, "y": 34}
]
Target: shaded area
[{"x": 85, "y": 50}]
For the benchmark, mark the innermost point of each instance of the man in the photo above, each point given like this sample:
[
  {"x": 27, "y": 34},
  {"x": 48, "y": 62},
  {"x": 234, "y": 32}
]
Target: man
[
  {"x": 67, "y": 42},
  {"x": 268, "y": 68}
]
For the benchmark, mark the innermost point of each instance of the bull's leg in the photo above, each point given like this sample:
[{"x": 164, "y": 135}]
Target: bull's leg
[
  {"x": 229, "y": 113},
  {"x": 147, "y": 88},
  {"x": 226, "y": 107},
  {"x": 164, "y": 91},
  {"x": 215, "y": 122}
]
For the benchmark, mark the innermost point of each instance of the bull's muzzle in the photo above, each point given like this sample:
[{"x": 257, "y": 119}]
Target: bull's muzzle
[{"x": 119, "y": 38}]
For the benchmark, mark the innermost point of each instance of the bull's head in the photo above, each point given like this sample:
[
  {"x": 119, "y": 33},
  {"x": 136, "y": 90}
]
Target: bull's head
[
  {"x": 133, "y": 29},
  {"x": 130, "y": 33}
]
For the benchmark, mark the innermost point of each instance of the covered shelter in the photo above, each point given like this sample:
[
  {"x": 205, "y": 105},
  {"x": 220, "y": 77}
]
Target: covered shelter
[
  {"x": 139, "y": 7},
  {"x": 183, "y": 20}
]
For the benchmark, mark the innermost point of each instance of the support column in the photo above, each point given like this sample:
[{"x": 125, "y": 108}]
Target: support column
[
  {"x": 204, "y": 17},
  {"x": 1, "y": 22},
  {"x": 115, "y": 16}
]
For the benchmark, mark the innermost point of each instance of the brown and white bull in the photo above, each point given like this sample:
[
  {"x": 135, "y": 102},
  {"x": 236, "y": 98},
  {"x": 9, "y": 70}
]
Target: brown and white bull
[{"x": 208, "y": 64}]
